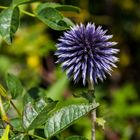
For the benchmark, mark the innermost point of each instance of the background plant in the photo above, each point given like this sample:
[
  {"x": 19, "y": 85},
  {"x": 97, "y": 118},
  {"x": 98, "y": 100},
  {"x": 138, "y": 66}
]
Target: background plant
[{"x": 30, "y": 56}]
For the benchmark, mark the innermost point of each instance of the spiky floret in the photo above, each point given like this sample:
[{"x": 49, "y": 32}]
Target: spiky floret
[{"x": 86, "y": 53}]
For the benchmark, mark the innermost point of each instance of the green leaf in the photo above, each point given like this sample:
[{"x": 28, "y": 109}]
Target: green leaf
[
  {"x": 1, "y": 131},
  {"x": 31, "y": 95},
  {"x": 53, "y": 18},
  {"x": 1, "y": 124},
  {"x": 76, "y": 138},
  {"x": 85, "y": 94},
  {"x": 17, "y": 124},
  {"x": 20, "y": 137},
  {"x": 6, "y": 105},
  {"x": 14, "y": 85},
  {"x": 1, "y": 128},
  {"x": 65, "y": 117},
  {"x": 67, "y": 21},
  {"x": 9, "y": 22},
  {"x": 58, "y": 88},
  {"x": 35, "y": 115},
  {"x": 19, "y": 2},
  {"x": 6, "y": 133},
  {"x": 59, "y": 7}
]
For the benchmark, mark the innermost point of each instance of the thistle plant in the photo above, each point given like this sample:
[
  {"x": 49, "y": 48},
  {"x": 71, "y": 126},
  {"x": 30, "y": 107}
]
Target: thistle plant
[{"x": 86, "y": 53}]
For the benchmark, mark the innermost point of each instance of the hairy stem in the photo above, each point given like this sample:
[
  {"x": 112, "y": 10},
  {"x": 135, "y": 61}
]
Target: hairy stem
[
  {"x": 93, "y": 118},
  {"x": 93, "y": 112}
]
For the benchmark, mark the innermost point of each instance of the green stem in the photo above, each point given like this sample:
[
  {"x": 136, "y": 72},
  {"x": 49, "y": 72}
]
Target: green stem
[
  {"x": 3, "y": 7},
  {"x": 4, "y": 94},
  {"x": 23, "y": 11},
  {"x": 35, "y": 136},
  {"x": 27, "y": 13},
  {"x": 93, "y": 112}
]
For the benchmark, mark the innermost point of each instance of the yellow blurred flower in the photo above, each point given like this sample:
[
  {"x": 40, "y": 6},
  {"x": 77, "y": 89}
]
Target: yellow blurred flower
[{"x": 33, "y": 61}]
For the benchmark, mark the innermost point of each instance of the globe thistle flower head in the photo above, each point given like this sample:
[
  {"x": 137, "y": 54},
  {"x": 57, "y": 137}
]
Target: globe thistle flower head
[{"x": 86, "y": 53}]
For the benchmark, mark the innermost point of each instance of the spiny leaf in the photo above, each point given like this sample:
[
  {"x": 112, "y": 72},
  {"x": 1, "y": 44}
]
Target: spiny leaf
[
  {"x": 9, "y": 22},
  {"x": 65, "y": 117}
]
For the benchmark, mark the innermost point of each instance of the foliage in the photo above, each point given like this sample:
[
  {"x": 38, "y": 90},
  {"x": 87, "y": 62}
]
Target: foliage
[
  {"x": 38, "y": 113},
  {"x": 46, "y": 12}
]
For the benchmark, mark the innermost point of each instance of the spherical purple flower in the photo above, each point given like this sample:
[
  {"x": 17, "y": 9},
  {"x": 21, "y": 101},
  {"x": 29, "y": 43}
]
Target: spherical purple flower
[{"x": 86, "y": 53}]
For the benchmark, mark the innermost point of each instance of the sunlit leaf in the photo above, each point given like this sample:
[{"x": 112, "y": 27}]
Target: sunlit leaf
[
  {"x": 35, "y": 115},
  {"x": 6, "y": 133},
  {"x": 9, "y": 22},
  {"x": 14, "y": 85},
  {"x": 65, "y": 117}
]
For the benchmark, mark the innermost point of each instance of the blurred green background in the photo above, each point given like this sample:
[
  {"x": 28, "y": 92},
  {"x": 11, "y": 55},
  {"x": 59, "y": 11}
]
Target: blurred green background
[{"x": 31, "y": 57}]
